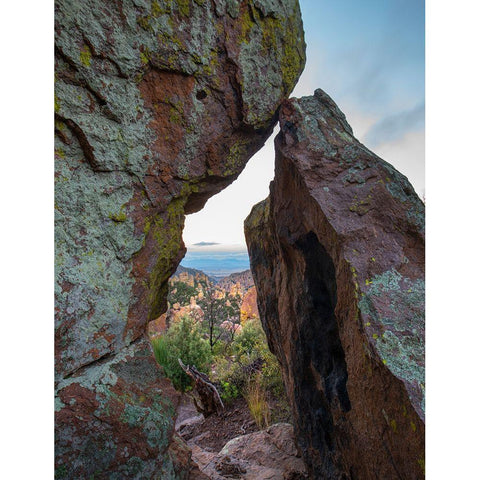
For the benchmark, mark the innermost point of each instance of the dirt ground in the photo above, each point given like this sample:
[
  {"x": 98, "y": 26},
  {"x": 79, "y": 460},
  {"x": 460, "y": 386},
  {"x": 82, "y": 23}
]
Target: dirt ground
[
  {"x": 212, "y": 433},
  {"x": 216, "y": 430}
]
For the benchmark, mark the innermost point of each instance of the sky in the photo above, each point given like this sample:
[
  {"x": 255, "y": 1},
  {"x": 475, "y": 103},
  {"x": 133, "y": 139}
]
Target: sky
[{"x": 369, "y": 57}]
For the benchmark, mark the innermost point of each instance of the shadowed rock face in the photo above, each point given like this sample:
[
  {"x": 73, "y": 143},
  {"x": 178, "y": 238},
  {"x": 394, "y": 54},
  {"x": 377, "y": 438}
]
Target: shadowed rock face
[
  {"x": 158, "y": 106},
  {"x": 337, "y": 254}
]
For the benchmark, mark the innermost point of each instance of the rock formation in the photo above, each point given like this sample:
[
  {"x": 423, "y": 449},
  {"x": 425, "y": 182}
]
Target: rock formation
[
  {"x": 269, "y": 454},
  {"x": 158, "y": 106},
  {"x": 249, "y": 308},
  {"x": 337, "y": 254},
  {"x": 238, "y": 282}
]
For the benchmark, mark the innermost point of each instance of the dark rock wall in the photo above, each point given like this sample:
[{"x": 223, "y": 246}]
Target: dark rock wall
[
  {"x": 337, "y": 254},
  {"x": 158, "y": 105}
]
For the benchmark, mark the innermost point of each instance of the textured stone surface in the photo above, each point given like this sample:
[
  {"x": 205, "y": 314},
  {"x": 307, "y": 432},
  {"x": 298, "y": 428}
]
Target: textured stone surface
[
  {"x": 337, "y": 253},
  {"x": 158, "y": 105},
  {"x": 249, "y": 308},
  {"x": 269, "y": 454},
  {"x": 116, "y": 420}
]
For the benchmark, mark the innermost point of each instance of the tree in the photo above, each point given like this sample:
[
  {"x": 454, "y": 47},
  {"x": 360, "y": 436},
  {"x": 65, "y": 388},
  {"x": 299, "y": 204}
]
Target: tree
[
  {"x": 181, "y": 292},
  {"x": 218, "y": 310}
]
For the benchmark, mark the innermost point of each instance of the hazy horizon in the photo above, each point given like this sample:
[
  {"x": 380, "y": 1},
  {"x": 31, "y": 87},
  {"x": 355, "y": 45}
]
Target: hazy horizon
[{"x": 217, "y": 260}]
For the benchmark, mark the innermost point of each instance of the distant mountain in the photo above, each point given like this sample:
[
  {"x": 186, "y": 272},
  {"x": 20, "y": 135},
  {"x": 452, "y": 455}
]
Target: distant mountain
[
  {"x": 205, "y": 244},
  {"x": 244, "y": 279},
  {"x": 192, "y": 290},
  {"x": 215, "y": 261},
  {"x": 183, "y": 273}
]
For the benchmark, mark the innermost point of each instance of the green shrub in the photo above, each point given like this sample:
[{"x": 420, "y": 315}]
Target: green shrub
[
  {"x": 181, "y": 292},
  {"x": 251, "y": 341},
  {"x": 183, "y": 340},
  {"x": 228, "y": 392},
  {"x": 250, "y": 356}
]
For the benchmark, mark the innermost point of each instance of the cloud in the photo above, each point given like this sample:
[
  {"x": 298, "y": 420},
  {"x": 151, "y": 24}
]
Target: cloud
[
  {"x": 407, "y": 155},
  {"x": 394, "y": 127}
]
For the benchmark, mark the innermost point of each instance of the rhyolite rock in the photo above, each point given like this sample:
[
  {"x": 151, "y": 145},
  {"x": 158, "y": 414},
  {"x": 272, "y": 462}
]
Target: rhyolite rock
[
  {"x": 115, "y": 420},
  {"x": 158, "y": 105},
  {"x": 249, "y": 307},
  {"x": 337, "y": 254},
  {"x": 269, "y": 454}
]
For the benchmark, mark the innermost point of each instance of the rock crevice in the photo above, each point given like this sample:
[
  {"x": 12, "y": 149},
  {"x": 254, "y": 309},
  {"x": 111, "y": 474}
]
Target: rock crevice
[{"x": 337, "y": 254}]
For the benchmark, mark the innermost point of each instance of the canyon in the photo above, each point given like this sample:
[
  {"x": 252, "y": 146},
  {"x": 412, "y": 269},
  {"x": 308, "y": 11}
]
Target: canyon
[{"x": 192, "y": 293}]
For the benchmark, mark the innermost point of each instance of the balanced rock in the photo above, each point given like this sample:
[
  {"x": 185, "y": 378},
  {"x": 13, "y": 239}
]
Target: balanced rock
[
  {"x": 337, "y": 254},
  {"x": 159, "y": 104}
]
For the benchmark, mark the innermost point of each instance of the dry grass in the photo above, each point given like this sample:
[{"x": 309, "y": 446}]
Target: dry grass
[{"x": 256, "y": 398}]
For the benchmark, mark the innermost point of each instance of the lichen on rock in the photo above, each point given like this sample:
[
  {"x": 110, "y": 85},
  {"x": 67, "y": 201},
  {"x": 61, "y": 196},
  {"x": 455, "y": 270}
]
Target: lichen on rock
[
  {"x": 158, "y": 106},
  {"x": 338, "y": 262}
]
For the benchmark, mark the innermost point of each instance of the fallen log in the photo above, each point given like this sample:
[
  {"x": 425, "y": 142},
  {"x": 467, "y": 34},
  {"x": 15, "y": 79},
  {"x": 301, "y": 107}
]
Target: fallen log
[{"x": 207, "y": 401}]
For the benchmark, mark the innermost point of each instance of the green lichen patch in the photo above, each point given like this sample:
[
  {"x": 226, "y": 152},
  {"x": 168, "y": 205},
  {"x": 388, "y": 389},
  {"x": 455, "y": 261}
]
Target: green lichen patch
[
  {"x": 236, "y": 158},
  {"x": 394, "y": 306},
  {"x": 275, "y": 40},
  {"x": 86, "y": 56},
  {"x": 258, "y": 217},
  {"x": 167, "y": 234},
  {"x": 56, "y": 103},
  {"x": 361, "y": 205}
]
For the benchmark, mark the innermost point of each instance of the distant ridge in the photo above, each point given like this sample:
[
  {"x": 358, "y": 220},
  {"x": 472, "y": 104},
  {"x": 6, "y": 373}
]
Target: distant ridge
[
  {"x": 205, "y": 244},
  {"x": 193, "y": 272},
  {"x": 245, "y": 277},
  {"x": 217, "y": 260}
]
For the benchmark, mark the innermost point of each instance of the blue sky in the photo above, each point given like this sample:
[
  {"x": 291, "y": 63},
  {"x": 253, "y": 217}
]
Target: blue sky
[
  {"x": 368, "y": 52},
  {"x": 369, "y": 57}
]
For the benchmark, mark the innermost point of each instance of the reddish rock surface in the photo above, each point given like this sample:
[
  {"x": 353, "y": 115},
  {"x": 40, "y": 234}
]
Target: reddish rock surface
[
  {"x": 337, "y": 254},
  {"x": 249, "y": 308},
  {"x": 158, "y": 106},
  {"x": 269, "y": 454}
]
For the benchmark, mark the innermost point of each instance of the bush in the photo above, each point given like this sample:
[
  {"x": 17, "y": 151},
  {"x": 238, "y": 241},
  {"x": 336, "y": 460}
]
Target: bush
[
  {"x": 228, "y": 391},
  {"x": 182, "y": 340},
  {"x": 181, "y": 292},
  {"x": 251, "y": 341},
  {"x": 251, "y": 359}
]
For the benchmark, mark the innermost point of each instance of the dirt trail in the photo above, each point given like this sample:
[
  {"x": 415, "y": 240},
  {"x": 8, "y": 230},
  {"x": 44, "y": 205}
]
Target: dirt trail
[{"x": 215, "y": 431}]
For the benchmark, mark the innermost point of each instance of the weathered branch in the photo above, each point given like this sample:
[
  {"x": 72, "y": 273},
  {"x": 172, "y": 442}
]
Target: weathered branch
[{"x": 209, "y": 398}]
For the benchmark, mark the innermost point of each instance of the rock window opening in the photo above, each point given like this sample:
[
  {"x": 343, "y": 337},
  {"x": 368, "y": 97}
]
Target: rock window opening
[{"x": 212, "y": 324}]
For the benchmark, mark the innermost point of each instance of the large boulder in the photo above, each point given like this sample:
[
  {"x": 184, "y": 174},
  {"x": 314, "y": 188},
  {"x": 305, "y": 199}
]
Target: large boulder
[
  {"x": 158, "y": 105},
  {"x": 337, "y": 254},
  {"x": 115, "y": 420}
]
